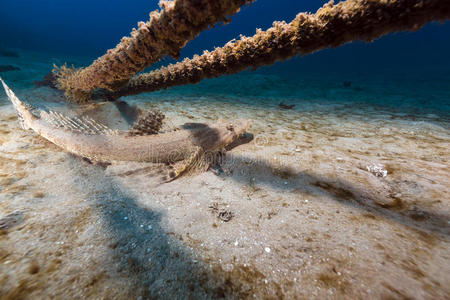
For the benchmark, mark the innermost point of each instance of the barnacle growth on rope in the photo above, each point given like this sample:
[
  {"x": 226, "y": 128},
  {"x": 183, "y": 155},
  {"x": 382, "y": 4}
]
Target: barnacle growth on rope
[
  {"x": 166, "y": 33},
  {"x": 331, "y": 26}
]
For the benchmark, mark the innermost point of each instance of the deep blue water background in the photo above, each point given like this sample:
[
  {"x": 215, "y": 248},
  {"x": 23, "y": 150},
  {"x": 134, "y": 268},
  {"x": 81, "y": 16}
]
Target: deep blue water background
[{"x": 88, "y": 28}]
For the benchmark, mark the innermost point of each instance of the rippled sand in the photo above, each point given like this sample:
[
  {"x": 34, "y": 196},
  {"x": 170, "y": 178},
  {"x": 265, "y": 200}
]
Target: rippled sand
[{"x": 307, "y": 217}]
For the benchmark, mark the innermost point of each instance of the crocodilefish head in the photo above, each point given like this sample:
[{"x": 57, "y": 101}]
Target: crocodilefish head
[{"x": 228, "y": 132}]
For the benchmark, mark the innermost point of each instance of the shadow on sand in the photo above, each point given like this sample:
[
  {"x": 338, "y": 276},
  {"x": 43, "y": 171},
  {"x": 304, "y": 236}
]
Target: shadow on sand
[
  {"x": 154, "y": 263},
  {"x": 145, "y": 260},
  {"x": 338, "y": 189}
]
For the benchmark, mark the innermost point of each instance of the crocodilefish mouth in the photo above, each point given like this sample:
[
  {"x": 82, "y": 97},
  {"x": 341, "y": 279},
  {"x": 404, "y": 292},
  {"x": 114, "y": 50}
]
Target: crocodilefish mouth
[{"x": 235, "y": 131}]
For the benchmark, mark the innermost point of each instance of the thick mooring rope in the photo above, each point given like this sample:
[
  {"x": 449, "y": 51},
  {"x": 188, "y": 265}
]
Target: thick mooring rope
[
  {"x": 331, "y": 26},
  {"x": 166, "y": 33}
]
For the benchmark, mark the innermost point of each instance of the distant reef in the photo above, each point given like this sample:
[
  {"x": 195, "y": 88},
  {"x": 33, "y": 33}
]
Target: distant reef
[
  {"x": 8, "y": 53},
  {"x": 7, "y": 68}
]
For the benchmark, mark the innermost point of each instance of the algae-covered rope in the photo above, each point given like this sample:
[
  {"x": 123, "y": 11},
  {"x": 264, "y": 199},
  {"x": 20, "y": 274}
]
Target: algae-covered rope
[
  {"x": 331, "y": 26},
  {"x": 166, "y": 33}
]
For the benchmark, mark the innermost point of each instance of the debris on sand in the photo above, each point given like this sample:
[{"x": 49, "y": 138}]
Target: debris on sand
[
  {"x": 377, "y": 170},
  {"x": 286, "y": 106},
  {"x": 223, "y": 214},
  {"x": 149, "y": 122}
]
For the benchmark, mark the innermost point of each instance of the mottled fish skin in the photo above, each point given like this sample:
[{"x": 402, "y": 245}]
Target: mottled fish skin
[
  {"x": 87, "y": 138},
  {"x": 11, "y": 220}
]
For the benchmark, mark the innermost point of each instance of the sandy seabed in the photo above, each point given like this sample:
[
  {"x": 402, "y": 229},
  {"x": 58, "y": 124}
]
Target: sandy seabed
[{"x": 295, "y": 213}]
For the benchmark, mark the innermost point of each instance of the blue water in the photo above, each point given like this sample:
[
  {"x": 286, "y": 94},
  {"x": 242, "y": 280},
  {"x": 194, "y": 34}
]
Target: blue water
[
  {"x": 72, "y": 29},
  {"x": 85, "y": 27}
]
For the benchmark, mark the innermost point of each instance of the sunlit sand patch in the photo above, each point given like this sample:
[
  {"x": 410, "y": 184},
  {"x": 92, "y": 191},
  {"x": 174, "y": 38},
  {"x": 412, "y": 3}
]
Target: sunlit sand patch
[{"x": 308, "y": 216}]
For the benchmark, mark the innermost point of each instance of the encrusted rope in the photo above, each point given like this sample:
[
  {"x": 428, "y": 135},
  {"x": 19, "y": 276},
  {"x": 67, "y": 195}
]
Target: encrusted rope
[
  {"x": 331, "y": 26},
  {"x": 166, "y": 33}
]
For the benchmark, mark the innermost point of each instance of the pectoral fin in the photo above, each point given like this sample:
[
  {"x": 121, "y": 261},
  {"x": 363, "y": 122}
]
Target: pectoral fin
[{"x": 193, "y": 162}]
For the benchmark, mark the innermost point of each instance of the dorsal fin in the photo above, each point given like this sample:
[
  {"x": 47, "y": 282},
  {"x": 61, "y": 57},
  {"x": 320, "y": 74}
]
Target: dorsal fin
[
  {"x": 85, "y": 125},
  {"x": 23, "y": 110}
]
